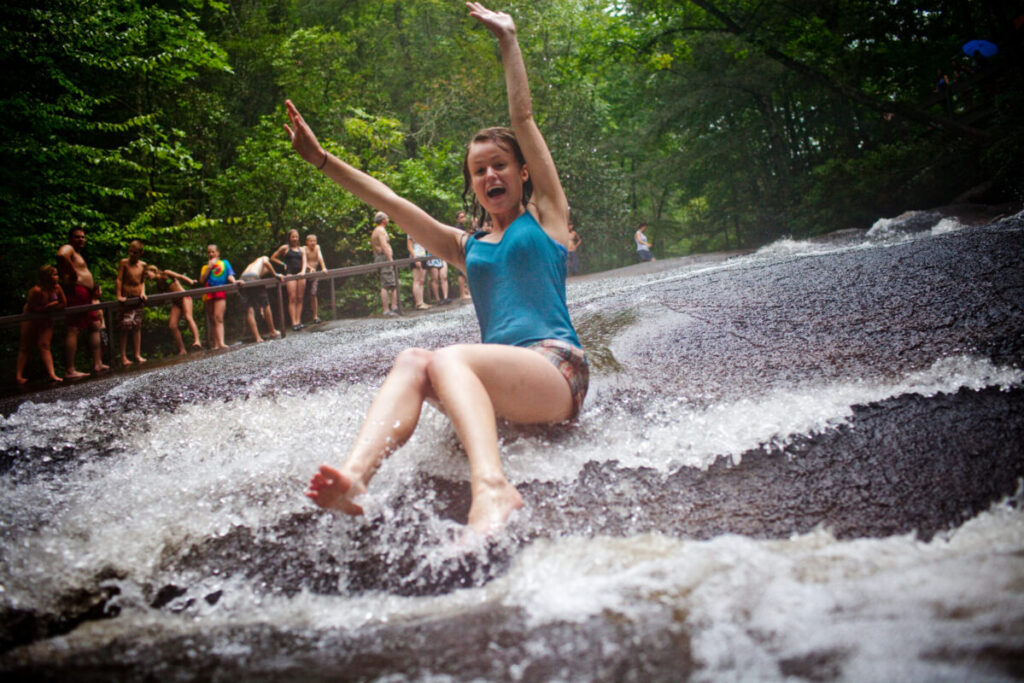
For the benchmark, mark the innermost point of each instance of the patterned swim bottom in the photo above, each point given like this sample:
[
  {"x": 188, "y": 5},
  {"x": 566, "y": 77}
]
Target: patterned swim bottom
[{"x": 573, "y": 365}]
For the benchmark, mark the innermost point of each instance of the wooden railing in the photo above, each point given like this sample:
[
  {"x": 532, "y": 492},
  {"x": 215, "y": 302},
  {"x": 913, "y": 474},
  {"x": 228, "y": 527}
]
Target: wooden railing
[{"x": 108, "y": 308}]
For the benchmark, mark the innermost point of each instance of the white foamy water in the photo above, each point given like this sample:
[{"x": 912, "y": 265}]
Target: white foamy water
[
  {"x": 885, "y": 607},
  {"x": 872, "y": 609},
  {"x": 866, "y": 609},
  {"x": 947, "y": 225},
  {"x": 205, "y": 468}
]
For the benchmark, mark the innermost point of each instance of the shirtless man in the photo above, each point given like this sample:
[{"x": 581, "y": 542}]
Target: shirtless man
[
  {"x": 131, "y": 283},
  {"x": 382, "y": 252},
  {"x": 80, "y": 289}
]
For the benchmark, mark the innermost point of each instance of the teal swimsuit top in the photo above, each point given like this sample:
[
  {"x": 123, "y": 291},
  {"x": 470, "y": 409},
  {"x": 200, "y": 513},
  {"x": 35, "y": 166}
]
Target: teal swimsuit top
[{"x": 518, "y": 285}]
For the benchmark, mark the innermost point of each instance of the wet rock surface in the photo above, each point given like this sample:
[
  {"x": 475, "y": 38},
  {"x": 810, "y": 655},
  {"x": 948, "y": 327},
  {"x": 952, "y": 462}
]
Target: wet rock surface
[
  {"x": 494, "y": 645},
  {"x": 911, "y": 464}
]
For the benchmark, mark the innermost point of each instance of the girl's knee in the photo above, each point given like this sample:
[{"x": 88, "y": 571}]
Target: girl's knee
[
  {"x": 445, "y": 358},
  {"x": 414, "y": 360},
  {"x": 412, "y": 365}
]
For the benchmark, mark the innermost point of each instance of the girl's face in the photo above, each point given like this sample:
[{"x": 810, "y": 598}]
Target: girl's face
[
  {"x": 497, "y": 178},
  {"x": 54, "y": 277},
  {"x": 293, "y": 237},
  {"x": 212, "y": 252}
]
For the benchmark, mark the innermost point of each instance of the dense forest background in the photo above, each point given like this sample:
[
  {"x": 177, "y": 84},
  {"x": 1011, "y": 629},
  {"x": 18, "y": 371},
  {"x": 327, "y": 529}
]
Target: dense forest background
[{"x": 725, "y": 123}]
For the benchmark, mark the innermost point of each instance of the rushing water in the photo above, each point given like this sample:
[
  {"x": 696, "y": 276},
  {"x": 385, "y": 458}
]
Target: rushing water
[{"x": 802, "y": 462}]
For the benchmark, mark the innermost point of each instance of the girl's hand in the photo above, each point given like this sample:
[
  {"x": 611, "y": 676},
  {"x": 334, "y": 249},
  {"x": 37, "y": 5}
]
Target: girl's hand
[
  {"x": 498, "y": 23},
  {"x": 303, "y": 140}
]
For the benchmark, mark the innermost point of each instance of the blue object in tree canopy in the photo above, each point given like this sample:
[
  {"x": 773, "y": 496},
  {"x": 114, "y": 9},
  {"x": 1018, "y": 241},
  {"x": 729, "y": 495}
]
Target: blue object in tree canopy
[{"x": 986, "y": 48}]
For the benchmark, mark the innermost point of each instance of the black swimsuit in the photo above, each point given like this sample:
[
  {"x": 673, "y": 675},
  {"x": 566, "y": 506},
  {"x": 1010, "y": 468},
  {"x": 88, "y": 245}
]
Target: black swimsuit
[{"x": 293, "y": 261}]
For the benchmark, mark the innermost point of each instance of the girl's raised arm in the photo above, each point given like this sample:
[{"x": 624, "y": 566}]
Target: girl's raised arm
[
  {"x": 439, "y": 239},
  {"x": 548, "y": 195}
]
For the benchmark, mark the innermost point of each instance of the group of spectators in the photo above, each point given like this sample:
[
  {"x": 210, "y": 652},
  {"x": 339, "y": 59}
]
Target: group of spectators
[
  {"x": 434, "y": 268},
  {"x": 71, "y": 283}
]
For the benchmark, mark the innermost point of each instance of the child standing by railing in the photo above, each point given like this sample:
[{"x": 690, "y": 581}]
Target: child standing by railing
[{"x": 44, "y": 297}]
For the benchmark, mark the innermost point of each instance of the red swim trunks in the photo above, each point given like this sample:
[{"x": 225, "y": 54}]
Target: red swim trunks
[{"x": 81, "y": 296}]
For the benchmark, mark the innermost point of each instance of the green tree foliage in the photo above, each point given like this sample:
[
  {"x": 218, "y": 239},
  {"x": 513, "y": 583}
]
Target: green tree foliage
[
  {"x": 724, "y": 123},
  {"x": 86, "y": 139},
  {"x": 797, "y": 117}
]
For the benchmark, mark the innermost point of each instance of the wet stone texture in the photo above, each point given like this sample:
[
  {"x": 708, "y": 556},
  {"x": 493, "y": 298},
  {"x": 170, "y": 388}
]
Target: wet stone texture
[
  {"x": 839, "y": 317},
  {"x": 910, "y": 464},
  {"x": 493, "y": 644},
  {"x": 878, "y": 475}
]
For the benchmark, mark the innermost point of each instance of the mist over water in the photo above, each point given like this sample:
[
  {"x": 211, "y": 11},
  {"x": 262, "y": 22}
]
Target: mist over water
[{"x": 802, "y": 462}]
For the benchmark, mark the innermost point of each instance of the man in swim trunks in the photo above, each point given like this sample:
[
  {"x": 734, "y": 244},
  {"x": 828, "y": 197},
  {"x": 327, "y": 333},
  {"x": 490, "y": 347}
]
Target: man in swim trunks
[
  {"x": 131, "y": 284},
  {"x": 80, "y": 289},
  {"x": 382, "y": 252}
]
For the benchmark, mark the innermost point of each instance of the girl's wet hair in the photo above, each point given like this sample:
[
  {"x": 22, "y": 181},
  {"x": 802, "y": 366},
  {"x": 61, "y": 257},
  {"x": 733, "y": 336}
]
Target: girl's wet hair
[{"x": 506, "y": 139}]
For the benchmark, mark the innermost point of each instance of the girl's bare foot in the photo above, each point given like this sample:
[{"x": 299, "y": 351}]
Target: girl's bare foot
[
  {"x": 197, "y": 346},
  {"x": 75, "y": 374},
  {"x": 21, "y": 380},
  {"x": 100, "y": 368},
  {"x": 124, "y": 361},
  {"x": 331, "y": 489},
  {"x": 183, "y": 352},
  {"x": 140, "y": 359},
  {"x": 55, "y": 378},
  {"x": 492, "y": 505}
]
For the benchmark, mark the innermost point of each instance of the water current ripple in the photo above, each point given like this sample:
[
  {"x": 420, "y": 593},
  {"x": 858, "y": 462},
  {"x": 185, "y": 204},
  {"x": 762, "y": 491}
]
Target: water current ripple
[{"x": 801, "y": 462}]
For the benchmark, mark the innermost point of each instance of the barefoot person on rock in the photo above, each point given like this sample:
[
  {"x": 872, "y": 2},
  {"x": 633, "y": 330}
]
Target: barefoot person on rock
[{"x": 530, "y": 367}]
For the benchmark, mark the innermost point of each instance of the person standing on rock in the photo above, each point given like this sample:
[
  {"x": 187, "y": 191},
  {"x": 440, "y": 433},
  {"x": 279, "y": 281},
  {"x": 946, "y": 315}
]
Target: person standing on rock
[
  {"x": 382, "y": 253},
  {"x": 529, "y": 367},
  {"x": 80, "y": 289}
]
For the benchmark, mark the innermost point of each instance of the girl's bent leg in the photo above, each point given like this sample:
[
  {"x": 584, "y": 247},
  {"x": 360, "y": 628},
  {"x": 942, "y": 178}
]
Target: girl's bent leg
[
  {"x": 478, "y": 382},
  {"x": 389, "y": 423}
]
